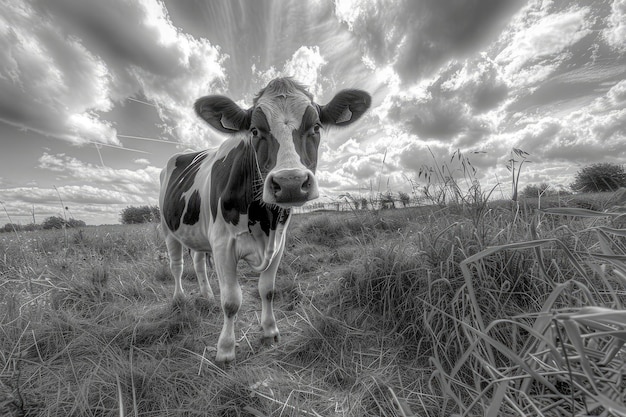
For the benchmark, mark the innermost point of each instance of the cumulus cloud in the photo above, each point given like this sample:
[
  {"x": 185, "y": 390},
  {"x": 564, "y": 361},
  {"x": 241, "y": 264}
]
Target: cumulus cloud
[
  {"x": 537, "y": 37},
  {"x": 63, "y": 63},
  {"x": 305, "y": 65},
  {"x": 49, "y": 83},
  {"x": 450, "y": 106},
  {"x": 419, "y": 36},
  {"x": 615, "y": 32}
]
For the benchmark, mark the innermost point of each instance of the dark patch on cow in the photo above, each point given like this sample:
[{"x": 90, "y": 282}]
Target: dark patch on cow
[
  {"x": 182, "y": 179},
  {"x": 267, "y": 216},
  {"x": 222, "y": 113},
  {"x": 230, "y": 309},
  {"x": 306, "y": 139},
  {"x": 259, "y": 120},
  {"x": 192, "y": 214},
  {"x": 356, "y": 101},
  {"x": 235, "y": 181},
  {"x": 264, "y": 143}
]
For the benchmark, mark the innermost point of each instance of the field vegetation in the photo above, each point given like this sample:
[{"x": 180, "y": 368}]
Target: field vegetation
[{"x": 468, "y": 308}]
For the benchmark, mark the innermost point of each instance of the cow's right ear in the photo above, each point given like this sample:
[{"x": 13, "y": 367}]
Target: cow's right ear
[{"x": 223, "y": 114}]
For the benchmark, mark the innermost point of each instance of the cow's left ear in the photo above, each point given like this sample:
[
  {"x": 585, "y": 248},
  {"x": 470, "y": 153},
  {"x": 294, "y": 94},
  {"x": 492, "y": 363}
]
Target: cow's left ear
[
  {"x": 346, "y": 107},
  {"x": 223, "y": 114}
]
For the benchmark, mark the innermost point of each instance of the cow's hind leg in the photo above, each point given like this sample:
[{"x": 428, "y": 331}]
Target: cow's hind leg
[
  {"x": 266, "y": 292},
  {"x": 230, "y": 297},
  {"x": 199, "y": 264},
  {"x": 175, "y": 252}
]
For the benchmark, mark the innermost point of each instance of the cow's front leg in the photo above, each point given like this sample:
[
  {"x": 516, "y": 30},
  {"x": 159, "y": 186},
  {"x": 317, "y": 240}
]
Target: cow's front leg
[
  {"x": 230, "y": 295},
  {"x": 266, "y": 292}
]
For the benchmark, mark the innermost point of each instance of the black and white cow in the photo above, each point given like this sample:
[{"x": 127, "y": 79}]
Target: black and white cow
[{"x": 235, "y": 201}]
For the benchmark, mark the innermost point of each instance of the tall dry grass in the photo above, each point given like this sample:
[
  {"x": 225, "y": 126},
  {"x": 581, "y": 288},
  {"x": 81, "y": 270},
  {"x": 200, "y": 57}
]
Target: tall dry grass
[{"x": 462, "y": 309}]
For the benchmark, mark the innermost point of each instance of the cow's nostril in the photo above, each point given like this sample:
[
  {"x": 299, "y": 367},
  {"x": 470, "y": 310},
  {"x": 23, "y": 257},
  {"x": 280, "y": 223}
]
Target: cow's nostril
[
  {"x": 275, "y": 186},
  {"x": 306, "y": 184}
]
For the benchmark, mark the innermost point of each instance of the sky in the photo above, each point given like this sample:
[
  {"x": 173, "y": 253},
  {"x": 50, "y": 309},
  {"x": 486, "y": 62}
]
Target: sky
[{"x": 95, "y": 96}]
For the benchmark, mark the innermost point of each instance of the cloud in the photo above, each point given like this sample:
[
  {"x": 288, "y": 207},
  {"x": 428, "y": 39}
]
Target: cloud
[
  {"x": 539, "y": 43},
  {"x": 305, "y": 65},
  {"x": 92, "y": 193},
  {"x": 419, "y": 36},
  {"x": 64, "y": 63},
  {"x": 50, "y": 83},
  {"x": 141, "y": 182},
  {"x": 451, "y": 106},
  {"x": 615, "y": 32},
  {"x": 94, "y": 205}
]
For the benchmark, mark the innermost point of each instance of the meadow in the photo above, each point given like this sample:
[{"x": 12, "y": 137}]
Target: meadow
[{"x": 484, "y": 309}]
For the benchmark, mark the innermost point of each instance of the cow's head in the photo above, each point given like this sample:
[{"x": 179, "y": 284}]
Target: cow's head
[{"x": 284, "y": 127}]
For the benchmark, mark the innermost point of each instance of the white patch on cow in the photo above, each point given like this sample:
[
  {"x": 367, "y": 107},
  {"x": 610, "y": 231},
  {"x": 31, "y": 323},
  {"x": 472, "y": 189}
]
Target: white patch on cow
[{"x": 284, "y": 115}]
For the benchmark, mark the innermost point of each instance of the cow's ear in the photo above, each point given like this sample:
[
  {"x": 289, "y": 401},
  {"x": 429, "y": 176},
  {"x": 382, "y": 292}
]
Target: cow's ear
[
  {"x": 223, "y": 114},
  {"x": 346, "y": 107}
]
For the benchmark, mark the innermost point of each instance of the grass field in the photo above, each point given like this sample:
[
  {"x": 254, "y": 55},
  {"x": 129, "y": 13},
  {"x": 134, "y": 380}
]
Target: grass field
[{"x": 495, "y": 310}]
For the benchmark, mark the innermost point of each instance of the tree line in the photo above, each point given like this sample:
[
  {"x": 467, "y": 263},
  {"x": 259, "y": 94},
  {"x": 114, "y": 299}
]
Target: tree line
[{"x": 52, "y": 222}]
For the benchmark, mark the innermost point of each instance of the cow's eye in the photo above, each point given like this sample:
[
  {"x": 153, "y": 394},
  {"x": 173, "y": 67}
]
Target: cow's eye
[
  {"x": 316, "y": 129},
  {"x": 254, "y": 131}
]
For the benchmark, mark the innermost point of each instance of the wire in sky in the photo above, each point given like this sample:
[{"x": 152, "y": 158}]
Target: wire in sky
[
  {"x": 141, "y": 101},
  {"x": 149, "y": 139}
]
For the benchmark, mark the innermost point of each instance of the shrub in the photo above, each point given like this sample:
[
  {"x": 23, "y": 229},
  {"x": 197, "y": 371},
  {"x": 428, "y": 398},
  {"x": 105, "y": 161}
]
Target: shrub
[
  {"x": 600, "y": 177},
  {"x": 53, "y": 222},
  {"x": 142, "y": 214},
  {"x": 405, "y": 199},
  {"x": 57, "y": 222}
]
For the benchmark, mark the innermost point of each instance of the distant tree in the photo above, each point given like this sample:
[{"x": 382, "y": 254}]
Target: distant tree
[
  {"x": 53, "y": 222},
  {"x": 58, "y": 222},
  {"x": 76, "y": 223},
  {"x": 543, "y": 190},
  {"x": 31, "y": 227},
  {"x": 534, "y": 190},
  {"x": 386, "y": 200},
  {"x": 363, "y": 203},
  {"x": 11, "y": 227},
  {"x": 142, "y": 214},
  {"x": 599, "y": 177},
  {"x": 404, "y": 198}
]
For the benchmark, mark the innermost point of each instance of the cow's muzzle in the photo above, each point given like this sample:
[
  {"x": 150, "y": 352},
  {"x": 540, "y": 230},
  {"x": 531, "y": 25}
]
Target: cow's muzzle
[{"x": 290, "y": 187}]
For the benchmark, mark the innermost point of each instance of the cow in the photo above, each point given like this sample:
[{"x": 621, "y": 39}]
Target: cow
[{"x": 234, "y": 202}]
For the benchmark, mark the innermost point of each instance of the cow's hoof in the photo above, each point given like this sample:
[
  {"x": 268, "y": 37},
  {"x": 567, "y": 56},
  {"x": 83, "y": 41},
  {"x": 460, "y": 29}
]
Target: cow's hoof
[
  {"x": 271, "y": 339},
  {"x": 224, "y": 359}
]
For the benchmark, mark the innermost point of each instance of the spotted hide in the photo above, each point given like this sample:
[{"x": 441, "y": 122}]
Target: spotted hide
[{"x": 235, "y": 201}]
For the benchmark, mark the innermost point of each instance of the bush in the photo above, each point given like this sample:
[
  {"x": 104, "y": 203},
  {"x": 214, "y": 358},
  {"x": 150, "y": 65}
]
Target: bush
[
  {"x": 543, "y": 190},
  {"x": 143, "y": 214},
  {"x": 57, "y": 222},
  {"x": 53, "y": 222},
  {"x": 600, "y": 177},
  {"x": 404, "y": 198}
]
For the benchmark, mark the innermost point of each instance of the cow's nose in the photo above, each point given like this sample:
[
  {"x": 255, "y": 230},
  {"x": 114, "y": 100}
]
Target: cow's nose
[
  {"x": 280, "y": 181},
  {"x": 291, "y": 186}
]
